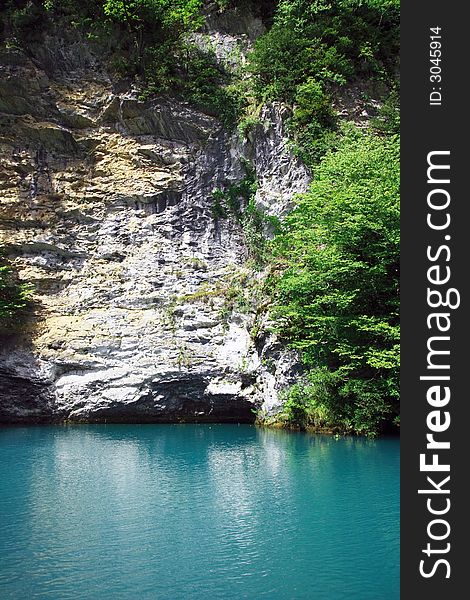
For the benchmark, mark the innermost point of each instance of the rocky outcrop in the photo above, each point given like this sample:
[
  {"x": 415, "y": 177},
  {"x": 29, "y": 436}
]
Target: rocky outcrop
[{"x": 106, "y": 207}]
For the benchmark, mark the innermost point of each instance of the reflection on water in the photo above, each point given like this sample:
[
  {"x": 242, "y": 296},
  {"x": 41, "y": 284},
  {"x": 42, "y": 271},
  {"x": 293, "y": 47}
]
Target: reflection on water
[{"x": 196, "y": 511}]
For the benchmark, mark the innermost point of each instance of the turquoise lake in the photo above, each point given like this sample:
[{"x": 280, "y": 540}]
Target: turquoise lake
[{"x": 196, "y": 512}]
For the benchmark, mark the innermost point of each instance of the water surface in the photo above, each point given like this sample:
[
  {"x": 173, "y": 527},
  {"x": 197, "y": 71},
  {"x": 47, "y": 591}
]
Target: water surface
[{"x": 196, "y": 512}]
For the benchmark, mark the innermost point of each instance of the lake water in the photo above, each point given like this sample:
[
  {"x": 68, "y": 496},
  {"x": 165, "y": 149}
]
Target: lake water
[{"x": 196, "y": 512}]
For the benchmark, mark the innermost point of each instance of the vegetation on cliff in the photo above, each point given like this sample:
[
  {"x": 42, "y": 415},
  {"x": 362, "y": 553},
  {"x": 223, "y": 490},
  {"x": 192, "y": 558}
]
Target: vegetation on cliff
[
  {"x": 13, "y": 294},
  {"x": 336, "y": 288},
  {"x": 146, "y": 40},
  {"x": 314, "y": 51},
  {"x": 335, "y": 265}
]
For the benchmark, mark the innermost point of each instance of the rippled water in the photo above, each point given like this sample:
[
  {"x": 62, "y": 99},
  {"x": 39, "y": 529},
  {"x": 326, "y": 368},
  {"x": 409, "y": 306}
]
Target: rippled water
[{"x": 196, "y": 512}]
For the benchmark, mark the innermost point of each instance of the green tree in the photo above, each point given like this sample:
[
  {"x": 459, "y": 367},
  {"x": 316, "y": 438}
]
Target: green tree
[
  {"x": 177, "y": 14},
  {"x": 330, "y": 42},
  {"x": 314, "y": 48},
  {"x": 336, "y": 292}
]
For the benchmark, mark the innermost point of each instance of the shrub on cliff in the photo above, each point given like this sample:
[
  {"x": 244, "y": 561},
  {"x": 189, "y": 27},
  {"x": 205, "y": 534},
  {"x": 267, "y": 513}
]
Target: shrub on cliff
[
  {"x": 13, "y": 295},
  {"x": 316, "y": 47},
  {"x": 336, "y": 292},
  {"x": 329, "y": 42}
]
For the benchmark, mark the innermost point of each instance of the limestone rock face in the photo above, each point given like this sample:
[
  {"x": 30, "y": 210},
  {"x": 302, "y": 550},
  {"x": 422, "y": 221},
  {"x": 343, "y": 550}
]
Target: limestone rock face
[{"x": 106, "y": 207}]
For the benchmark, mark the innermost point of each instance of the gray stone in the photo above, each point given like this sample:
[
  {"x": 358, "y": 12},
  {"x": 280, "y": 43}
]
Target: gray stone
[{"x": 106, "y": 208}]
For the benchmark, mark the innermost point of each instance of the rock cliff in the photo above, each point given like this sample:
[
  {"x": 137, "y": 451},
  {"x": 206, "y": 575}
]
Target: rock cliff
[{"x": 107, "y": 208}]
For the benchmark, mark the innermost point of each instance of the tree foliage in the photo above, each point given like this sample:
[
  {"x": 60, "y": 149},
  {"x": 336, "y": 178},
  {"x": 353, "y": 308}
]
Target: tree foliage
[
  {"x": 328, "y": 41},
  {"x": 336, "y": 295},
  {"x": 314, "y": 48},
  {"x": 169, "y": 13}
]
